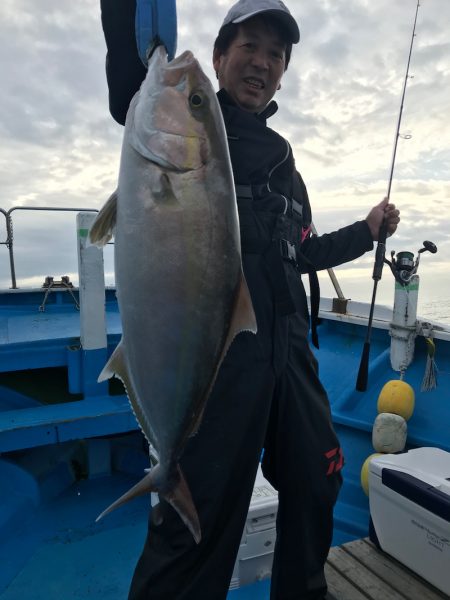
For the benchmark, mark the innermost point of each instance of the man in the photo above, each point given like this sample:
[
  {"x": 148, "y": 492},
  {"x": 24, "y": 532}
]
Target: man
[{"x": 267, "y": 394}]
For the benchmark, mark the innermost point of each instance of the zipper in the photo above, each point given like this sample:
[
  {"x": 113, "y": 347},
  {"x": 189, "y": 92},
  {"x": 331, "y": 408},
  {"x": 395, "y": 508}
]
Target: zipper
[{"x": 276, "y": 167}]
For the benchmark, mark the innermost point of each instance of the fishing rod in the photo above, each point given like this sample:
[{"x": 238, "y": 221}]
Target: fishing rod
[{"x": 361, "y": 381}]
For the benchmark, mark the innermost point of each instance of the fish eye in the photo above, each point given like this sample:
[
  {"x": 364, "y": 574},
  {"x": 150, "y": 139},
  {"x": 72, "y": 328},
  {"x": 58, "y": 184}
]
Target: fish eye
[{"x": 196, "y": 100}]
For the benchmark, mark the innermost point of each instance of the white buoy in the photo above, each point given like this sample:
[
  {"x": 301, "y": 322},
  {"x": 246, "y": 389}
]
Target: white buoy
[{"x": 389, "y": 433}]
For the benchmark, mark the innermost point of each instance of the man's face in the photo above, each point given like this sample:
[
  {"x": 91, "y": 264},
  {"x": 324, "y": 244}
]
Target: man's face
[{"x": 252, "y": 67}]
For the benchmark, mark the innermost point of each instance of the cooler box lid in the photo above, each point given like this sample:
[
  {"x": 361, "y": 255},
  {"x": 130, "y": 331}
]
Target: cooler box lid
[{"x": 421, "y": 475}]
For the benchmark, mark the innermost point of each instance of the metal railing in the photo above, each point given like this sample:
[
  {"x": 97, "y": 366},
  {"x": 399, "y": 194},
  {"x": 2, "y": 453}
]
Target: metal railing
[
  {"x": 9, "y": 242},
  {"x": 10, "y": 239}
]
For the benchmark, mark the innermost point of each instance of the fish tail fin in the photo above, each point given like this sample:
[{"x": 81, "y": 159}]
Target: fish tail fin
[
  {"x": 180, "y": 499},
  {"x": 177, "y": 495},
  {"x": 146, "y": 485},
  {"x": 103, "y": 227}
]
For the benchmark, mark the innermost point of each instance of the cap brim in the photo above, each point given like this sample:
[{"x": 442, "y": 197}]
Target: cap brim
[{"x": 287, "y": 20}]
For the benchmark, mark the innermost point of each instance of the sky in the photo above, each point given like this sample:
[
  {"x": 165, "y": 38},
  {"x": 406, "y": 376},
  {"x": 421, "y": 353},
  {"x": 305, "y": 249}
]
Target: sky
[{"x": 338, "y": 106}]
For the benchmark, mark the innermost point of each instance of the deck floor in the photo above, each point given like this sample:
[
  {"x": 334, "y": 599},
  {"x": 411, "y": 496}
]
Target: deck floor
[{"x": 358, "y": 571}]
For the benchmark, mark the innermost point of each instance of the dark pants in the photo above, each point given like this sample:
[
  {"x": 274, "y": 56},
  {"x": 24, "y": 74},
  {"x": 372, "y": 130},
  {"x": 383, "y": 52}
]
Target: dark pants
[{"x": 267, "y": 395}]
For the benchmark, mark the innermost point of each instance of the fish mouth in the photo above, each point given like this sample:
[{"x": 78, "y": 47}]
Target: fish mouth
[
  {"x": 182, "y": 61},
  {"x": 255, "y": 82}
]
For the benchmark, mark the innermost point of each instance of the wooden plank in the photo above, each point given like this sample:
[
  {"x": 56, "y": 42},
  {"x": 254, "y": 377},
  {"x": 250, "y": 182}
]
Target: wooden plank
[
  {"x": 391, "y": 571},
  {"x": 339, "y": 588},
  {"x": 361, "y": 576}
]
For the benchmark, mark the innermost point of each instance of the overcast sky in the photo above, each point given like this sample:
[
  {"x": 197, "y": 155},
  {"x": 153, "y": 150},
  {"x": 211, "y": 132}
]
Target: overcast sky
[{"x": 339, "y": 106}]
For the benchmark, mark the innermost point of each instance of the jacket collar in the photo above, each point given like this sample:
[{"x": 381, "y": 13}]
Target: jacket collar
[{"x": 224, "y": 98}]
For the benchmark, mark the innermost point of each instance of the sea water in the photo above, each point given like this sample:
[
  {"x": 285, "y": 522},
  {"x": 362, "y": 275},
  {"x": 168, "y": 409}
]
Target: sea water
[{"x": 438, "y": 310}]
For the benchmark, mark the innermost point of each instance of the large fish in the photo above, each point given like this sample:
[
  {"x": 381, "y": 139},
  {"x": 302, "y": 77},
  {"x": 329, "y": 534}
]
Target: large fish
[{"x": 180, "y": 287}]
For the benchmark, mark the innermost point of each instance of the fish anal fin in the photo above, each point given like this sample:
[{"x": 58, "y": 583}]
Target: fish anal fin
[
  {"x": 115, "y": 365},
  {"x": 103, "y": 227}
]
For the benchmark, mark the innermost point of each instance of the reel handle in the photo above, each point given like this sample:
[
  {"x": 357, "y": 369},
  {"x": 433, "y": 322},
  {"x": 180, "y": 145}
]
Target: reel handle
[{"x": 428, "y": 247}]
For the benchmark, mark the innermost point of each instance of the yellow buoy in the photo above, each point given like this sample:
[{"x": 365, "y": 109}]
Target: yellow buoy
[
  {"x": 365, "y": 472},
  {"x": 396, "y": 397}
]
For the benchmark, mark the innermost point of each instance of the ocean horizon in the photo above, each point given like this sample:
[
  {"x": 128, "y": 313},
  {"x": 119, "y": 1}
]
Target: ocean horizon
[{"x": 438, "y": 310}]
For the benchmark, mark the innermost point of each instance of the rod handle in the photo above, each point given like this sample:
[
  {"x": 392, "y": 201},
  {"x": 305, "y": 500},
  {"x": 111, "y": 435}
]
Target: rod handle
[
  {"x": 380, "y": 252},
  {"x": 361, "y": 381}
]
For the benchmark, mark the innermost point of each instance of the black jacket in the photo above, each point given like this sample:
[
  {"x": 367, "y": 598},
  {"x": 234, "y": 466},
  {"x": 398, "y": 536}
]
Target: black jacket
[{"x": 259, "y": 157}]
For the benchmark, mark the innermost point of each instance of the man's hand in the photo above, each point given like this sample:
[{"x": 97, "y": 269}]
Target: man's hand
[{"x": 383, "y": 211}]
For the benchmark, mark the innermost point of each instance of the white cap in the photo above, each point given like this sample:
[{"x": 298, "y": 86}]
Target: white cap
[{"x": 246, "y": 9}]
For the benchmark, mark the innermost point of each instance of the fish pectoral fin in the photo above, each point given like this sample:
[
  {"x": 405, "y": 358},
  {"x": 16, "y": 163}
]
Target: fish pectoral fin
[
  {"x": 179, "y": 497},
  {"x": 243, "y": 314},
  {"x": 146, "y": 485},
  {"x": 103, "y": 227}
]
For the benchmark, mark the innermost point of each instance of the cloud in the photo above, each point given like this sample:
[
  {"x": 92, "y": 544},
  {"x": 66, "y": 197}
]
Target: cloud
[{"x": 339, "y": 105}]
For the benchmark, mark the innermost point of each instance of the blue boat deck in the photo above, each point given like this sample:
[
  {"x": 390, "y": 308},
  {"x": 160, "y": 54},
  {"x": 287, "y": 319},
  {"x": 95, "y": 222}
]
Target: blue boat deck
[
  {"x": 55, "y": 533},
  {"x": 50, "y": 526}
]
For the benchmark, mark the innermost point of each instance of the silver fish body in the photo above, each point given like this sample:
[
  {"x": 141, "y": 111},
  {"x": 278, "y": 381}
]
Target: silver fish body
[{"x": 181, "y": 291}]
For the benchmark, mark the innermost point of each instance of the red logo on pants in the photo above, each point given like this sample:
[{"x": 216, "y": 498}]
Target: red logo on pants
[{"x": 336, "y": 459}]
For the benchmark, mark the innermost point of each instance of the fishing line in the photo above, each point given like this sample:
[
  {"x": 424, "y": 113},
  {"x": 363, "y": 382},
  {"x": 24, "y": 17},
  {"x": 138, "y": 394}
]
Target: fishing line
[{"x": 361, "y": 381}]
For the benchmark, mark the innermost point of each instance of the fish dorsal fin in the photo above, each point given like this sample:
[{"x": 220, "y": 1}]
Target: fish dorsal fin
[
  {"x": 243, "y": 314},
  {"x": 103, "y": 227},
  {"x": 116, "y": 366},
  {"x": 243, "y": 319}
]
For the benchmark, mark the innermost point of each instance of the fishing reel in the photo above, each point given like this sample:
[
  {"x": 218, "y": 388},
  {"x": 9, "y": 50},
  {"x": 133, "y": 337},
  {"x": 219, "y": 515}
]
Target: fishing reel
[{"x": 404, "y": 266}]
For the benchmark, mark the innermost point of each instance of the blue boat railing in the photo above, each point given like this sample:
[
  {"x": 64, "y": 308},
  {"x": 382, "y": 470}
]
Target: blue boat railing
[{"x": 9, "y": 242}]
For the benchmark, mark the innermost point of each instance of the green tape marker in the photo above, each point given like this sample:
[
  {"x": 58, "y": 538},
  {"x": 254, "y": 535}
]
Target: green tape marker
[{"x": 409, "y": 287}]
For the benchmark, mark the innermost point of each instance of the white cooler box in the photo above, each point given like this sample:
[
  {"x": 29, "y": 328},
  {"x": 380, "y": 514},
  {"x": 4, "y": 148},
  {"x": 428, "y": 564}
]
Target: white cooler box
[
  {"x": 255, "y": 556},
  {"x": 409, "y": 496}
]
